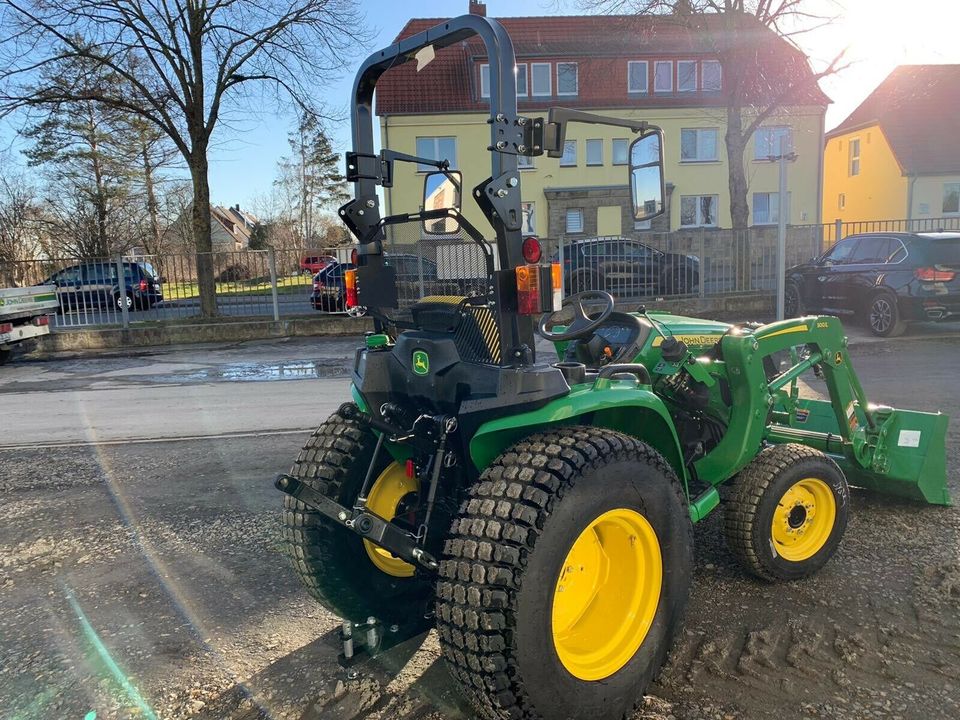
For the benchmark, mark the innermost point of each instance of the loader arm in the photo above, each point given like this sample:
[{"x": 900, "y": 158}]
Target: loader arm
[{"x": 899, "y": 452}]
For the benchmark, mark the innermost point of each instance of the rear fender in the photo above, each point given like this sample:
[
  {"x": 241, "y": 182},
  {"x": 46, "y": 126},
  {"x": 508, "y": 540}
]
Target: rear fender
[{"x": 622, "y": 406}]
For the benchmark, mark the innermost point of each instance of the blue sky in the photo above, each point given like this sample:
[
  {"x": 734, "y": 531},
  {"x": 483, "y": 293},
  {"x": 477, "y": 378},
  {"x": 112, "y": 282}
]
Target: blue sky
[{"x": 880, "y": 35}]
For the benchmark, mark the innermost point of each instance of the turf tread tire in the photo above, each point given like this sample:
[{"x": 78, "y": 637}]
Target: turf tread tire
[
  {"x": 500, "y": 521},
  {"x": 329, "y": 560},
  {"x": 752, "y": 487}
]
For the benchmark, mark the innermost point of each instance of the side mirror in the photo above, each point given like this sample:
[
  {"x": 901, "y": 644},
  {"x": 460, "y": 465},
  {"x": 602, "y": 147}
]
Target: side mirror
[
  {"x": 441, "y": 191},
  {"x": 646, "y": 176}
]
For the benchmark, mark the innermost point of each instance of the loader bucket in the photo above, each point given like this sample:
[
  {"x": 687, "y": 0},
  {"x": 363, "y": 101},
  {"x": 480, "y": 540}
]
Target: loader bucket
[{"x": 911, "y": 458}]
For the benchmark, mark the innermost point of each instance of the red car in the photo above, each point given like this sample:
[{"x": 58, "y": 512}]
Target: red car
[{"x": 312, "y": 264}]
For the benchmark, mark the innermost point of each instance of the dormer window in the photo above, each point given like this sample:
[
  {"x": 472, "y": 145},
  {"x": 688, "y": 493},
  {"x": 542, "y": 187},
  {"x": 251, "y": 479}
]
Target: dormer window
[{"x": 663, "y": 76}]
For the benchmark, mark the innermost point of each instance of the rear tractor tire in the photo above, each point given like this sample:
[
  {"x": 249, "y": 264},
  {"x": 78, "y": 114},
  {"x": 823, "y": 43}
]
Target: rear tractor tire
[
  {"x": 787, "y": 513},
  {"x": 565, "y": 577},
  {"x": 346, "y": 574}
]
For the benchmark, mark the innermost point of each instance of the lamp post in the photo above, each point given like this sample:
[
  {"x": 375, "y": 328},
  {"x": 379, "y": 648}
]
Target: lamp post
[{"x": 782, "y": 158}]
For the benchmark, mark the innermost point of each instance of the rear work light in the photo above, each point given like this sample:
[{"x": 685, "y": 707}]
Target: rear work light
[
  {"x": 932, "y": 274},
  {"x": 538, "y": 288},
  {"x": 350, "y": 283}
]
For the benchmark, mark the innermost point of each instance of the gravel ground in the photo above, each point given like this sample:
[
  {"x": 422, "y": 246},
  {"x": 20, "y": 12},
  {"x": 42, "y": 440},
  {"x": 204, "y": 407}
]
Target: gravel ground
[{"x": 146, "y": 580}]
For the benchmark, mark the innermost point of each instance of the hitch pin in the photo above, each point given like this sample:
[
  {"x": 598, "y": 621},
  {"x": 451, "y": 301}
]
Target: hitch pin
[{"x": 346, "y": 634}]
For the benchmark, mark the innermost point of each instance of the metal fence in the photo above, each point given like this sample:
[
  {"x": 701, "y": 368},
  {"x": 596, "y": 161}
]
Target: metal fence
[{"x": 280, "y": 283}]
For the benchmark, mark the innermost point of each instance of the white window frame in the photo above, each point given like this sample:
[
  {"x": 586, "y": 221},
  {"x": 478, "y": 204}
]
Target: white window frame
[
  {"x": 696, "y": 76},
  {"x": 528, "y": 212},
  {"x": 520, "y": 69},
  {"x": 770, "y": 220},
  {"x": 698, "y": 159},
  {"x": 576, "y": 90},
  {"x": 768, "y": 130},
  {"x": 626, "y": 151},
  {"x": 703, "y": 75},
  {"x": 533, "y": 89},
  {"x": 646, "y": 77},
  {"x": 436, "y": 150},
  {"x": 568, "y": 144},
  {"x": 699, "y": 219},
  {"x": 576, "y": 213},
  {"x": 484, "y": 80},
  {"x": 656, "y": 65},
  {"x": 586, "y": 152},
  {"x": 853, "y": 159},
  {"x": 943, "y": 203}
]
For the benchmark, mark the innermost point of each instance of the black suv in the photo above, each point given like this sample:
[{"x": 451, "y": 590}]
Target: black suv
[
  {"x": 94, "y": 284},
  {"x": 887, "y": 279},
  {"x": 623, "y": 266}
]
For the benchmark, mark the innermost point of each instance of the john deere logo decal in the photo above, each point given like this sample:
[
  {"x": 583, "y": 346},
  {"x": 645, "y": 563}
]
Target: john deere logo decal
[{"x": 421, "y": 362}]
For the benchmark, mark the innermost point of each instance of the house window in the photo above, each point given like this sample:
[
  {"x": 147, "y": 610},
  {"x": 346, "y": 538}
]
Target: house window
[
  {"x": 540, "y": 79},
  {"x": 766, "y": 208},
  {"x": 621, "y": 149},
  {"x": 436, "y": 148},
  {"x": 841, "y": 201},
  {"x": 698, "y": 144},
  {"x": 637, "y": 81},
  {"x": 711, "y": 75},
  {"x": 520, "y": 71},
  {"x": 528, "y": 211},
  {"x": 951, "y": 198},
  {"x": 575, "y": 220},
  {"x": 698, "y": 210},
  {"x": 566, "y": 78},
  {"x": 663, "y": 76},
  {"x": 569, "y": 158},
  {"x": 525, "y": 162},
  {"x": 687, "y": 76},
  {"x": 772, "y": 141},
  {"x": 594, "y": 152},
  {"x": 855, "y": 156}
]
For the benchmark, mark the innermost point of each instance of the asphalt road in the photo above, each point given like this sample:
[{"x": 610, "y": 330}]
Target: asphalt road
[{"x": 141, "y": 575}]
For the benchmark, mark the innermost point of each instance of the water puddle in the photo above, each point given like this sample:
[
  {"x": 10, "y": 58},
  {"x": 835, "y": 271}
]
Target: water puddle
[{"x": 259, "y": 372}]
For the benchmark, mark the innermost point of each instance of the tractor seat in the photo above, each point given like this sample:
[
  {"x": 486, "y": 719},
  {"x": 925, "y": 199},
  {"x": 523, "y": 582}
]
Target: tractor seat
[{"x": 469, "y": 319}]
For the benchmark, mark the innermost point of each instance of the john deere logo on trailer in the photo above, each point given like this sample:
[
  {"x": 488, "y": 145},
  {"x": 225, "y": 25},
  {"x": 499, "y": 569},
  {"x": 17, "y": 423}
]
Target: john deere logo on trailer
[{"x": 421, "y": 362}]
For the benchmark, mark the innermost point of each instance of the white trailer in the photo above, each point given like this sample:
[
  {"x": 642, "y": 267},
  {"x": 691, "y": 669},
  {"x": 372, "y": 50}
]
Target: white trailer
[{"x": 24, "y": 315}]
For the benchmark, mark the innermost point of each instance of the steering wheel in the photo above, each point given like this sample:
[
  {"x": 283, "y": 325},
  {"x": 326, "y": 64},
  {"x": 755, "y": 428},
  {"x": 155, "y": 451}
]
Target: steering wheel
[{"x": 581, "y": 326}]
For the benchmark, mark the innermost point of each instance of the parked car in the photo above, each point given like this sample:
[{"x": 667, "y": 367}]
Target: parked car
[
  {"x": 622, "y": 265},
  {"x": 329, "y": 291},
  {"x": 416, "y": 278},
  {"x": 94, "y": 284},
  {"x": 312, "y": 264},
  {"x": 886, "y": 279}
]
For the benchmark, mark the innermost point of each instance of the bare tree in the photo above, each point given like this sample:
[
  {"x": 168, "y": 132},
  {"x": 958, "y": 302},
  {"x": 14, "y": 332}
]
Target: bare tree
[
  {"x": 180, "y": 62},
  {"x": 763, "y": 72},
  {"x": 20, "y": 239}
]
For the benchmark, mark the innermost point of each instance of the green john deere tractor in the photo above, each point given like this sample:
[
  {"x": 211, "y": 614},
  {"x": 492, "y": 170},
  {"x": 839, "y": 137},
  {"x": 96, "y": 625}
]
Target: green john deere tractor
[{"x": 539, "y": 513}]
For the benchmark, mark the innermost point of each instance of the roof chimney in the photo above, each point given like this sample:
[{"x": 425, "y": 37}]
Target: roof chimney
[{"x": 478, "y": 8}]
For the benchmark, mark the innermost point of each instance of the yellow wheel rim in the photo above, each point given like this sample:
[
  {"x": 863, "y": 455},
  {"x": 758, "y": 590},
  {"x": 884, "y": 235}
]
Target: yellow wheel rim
[
  {"x": 384, "y": 498},
  {"x": 803, "y": 519},
  {"x": 607, "y": 594}
]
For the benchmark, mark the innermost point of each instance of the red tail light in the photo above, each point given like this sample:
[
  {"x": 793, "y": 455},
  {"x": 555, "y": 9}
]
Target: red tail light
[
  {"x": 41, "y": 321},
  {"x": 5, "y": 328},
  {"x": 531, "y": 250},
  {"x": 353, "y": 257},
  {"x": 350, "y": 283},
  {"x": 528, "y": 289},
  {"x": 143, "y": 285},
  {"x": 932, "y": 274},
  {"x": 317, "y": 284}
]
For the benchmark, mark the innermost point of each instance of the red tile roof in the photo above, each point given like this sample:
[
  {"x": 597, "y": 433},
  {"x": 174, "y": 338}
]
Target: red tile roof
[
  {"x": 601, "y": 44},
  {"x": 916, "y": 106}
]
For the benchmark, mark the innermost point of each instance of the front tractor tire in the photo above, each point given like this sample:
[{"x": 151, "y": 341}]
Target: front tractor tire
[
  {"x": 565, "y": 577},
  {"x": 787, "y": 513},
  {"x": 345, "y": 573}
]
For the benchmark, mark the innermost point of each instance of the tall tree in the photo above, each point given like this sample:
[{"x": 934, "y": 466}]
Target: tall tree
[
  {"x": 180, "y": 62},
  {"x": 19, "y": 228},
  {"x": 310, "y": 177}
]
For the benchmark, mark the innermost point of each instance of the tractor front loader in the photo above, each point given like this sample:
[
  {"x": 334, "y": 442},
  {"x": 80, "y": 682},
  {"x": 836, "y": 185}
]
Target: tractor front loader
[{"x": 539, "y": 513}]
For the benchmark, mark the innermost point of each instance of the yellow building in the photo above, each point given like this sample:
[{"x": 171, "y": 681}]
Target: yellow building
[
  {"x": 897, "y": 156},
  {"x": 638, "y": 67}
]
